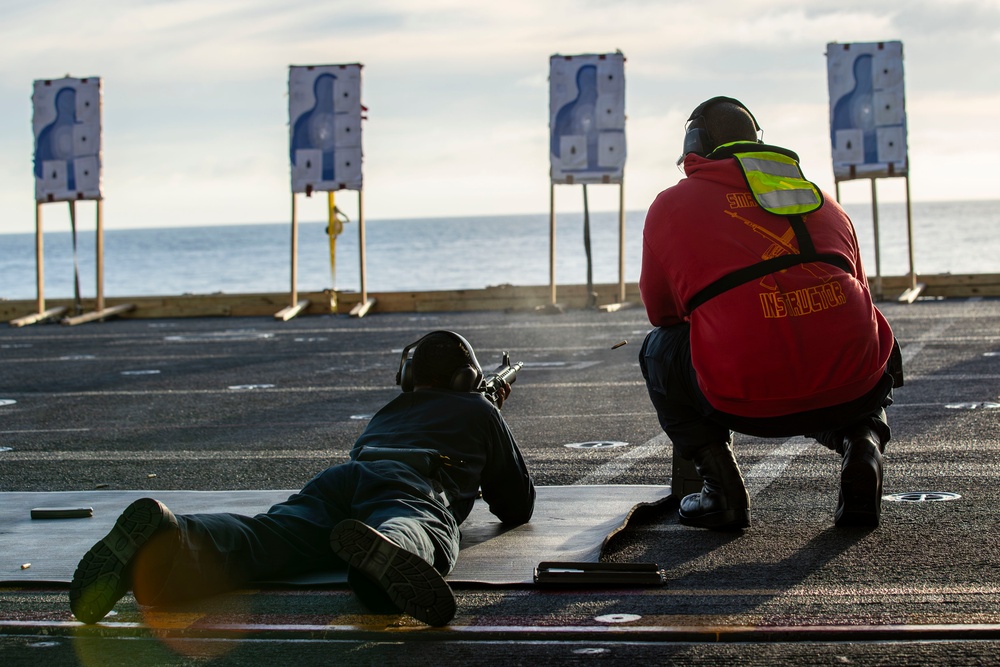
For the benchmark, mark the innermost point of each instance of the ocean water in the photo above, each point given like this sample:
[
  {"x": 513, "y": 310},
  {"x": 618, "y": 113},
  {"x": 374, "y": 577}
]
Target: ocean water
[{"x": 438, "y": 253}]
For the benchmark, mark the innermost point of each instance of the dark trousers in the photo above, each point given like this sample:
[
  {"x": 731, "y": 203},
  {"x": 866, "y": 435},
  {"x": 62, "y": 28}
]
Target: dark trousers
[
  {"x": 691, "y": 422},
  {"x": 221, "y": 552}
]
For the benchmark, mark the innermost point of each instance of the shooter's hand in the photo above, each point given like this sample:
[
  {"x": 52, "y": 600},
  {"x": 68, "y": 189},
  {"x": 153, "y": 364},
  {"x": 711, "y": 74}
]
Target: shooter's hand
[{"x": 502, "y": 394}]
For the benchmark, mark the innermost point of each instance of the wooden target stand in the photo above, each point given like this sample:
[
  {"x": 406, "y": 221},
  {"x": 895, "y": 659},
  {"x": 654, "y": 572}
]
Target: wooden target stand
[
  {"x": 44, "y": 315},
  {"x": 916, "y": 288},
  {"x": 298, "y": 305},
  {"x": 611, "y": 307}
]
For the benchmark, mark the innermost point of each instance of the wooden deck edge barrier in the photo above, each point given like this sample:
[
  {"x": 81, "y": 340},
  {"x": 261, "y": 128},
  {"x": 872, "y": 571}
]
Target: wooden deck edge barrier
[{"x": 495, "y": 298}]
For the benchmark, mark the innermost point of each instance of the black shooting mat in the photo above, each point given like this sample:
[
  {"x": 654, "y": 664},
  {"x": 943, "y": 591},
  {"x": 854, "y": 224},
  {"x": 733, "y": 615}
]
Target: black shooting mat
[{"x": 570, "y": 523}]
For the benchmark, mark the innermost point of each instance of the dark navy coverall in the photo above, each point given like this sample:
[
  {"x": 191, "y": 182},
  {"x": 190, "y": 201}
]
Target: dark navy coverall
[{"x": 417, "y": 509}]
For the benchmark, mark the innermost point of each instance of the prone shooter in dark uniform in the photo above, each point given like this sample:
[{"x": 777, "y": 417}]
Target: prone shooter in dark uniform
[{"x": 391, "y": 513}]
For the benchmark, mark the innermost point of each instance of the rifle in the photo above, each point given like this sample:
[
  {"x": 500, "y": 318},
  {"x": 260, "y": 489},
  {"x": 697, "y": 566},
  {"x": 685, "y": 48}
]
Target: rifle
[{"x": 505, "y": 372}]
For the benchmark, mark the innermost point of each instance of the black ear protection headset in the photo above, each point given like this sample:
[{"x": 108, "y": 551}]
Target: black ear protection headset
[
  {"x": 697, "y": 139},
  {"x": 465, "y": 378}
]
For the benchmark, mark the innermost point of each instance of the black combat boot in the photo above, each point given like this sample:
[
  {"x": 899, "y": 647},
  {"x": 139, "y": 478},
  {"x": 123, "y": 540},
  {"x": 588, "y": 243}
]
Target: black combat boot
[
  {"x": 860, "y": 501},
  {"x": 107, "y": 572},
  {"x": 723, "y": 503}
]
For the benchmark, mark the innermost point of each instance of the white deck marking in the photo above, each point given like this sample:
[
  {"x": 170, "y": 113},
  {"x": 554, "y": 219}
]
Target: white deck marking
[
  {"x": 760, "y": 476},
  {"x": 757, "y": 477},
  {"x": 911, "y": 350},
  {"x": 620, "y": 465}
]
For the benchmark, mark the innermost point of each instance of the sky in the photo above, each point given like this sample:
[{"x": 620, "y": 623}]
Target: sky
[{"x": 195, "y": 105}]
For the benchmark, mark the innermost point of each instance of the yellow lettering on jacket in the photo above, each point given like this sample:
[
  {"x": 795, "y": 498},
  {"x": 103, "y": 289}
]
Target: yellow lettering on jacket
[
  {"x": 804, "y": 301},
  {"x": 741, "y": 200}
]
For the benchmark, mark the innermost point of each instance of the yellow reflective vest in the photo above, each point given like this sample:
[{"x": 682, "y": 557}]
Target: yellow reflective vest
[{"x": 776, "y": 180}]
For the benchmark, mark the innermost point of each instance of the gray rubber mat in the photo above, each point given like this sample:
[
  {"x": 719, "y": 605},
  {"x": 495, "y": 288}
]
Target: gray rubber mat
[{"x": 570, "y": 523}]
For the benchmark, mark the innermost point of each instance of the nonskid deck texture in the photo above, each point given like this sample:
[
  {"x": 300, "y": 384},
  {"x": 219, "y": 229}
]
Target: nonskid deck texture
[{"x": 250, "y": 403}]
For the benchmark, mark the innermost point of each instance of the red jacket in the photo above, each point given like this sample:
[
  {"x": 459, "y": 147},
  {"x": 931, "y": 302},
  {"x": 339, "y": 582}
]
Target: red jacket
[{"x": 804, "y": 338}]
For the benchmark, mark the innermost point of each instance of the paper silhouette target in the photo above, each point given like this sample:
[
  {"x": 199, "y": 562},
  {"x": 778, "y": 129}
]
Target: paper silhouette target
[
  {"x": 587, "y": 118},
  {"x": 324, "y": 106},
  {"x": 67, "y": 128},
  {"x": 867, "y": 110}
]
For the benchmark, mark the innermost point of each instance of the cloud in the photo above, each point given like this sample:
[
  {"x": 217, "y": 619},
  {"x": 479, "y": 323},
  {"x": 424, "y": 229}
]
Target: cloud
[{"x": 195, "y": 92}]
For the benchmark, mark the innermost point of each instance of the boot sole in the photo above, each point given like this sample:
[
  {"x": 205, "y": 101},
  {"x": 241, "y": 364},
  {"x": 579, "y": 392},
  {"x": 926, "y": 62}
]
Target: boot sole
[
  {"x": 412, "y": 584},
  {"x": 861, "y": 494},
  {"x": 725, "y": 520},
  {"x": 102, "y": 576}
]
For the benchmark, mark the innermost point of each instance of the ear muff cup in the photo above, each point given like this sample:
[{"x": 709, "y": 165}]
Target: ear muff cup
[
  {"x": 406, "y": 375},
  {"x": 697, "y": 141},
  {"x": 466, "y": 379}
]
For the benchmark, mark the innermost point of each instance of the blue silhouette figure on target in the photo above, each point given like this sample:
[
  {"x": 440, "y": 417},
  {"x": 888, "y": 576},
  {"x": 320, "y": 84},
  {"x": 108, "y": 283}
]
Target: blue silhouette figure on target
[
  {"x": 55, "y": 141},
  {"x": 856, "y": 109},
  {"x": 315, "y": 128},
  {"x": 579, "y": 117}
]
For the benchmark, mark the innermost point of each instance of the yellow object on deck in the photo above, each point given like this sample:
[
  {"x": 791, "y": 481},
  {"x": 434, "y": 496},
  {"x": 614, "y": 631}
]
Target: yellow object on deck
[{"x": 333, "y": 229}]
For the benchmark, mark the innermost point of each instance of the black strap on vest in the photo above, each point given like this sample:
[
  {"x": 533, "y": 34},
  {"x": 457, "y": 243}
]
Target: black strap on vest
[{"x": 807, "y": 254}]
